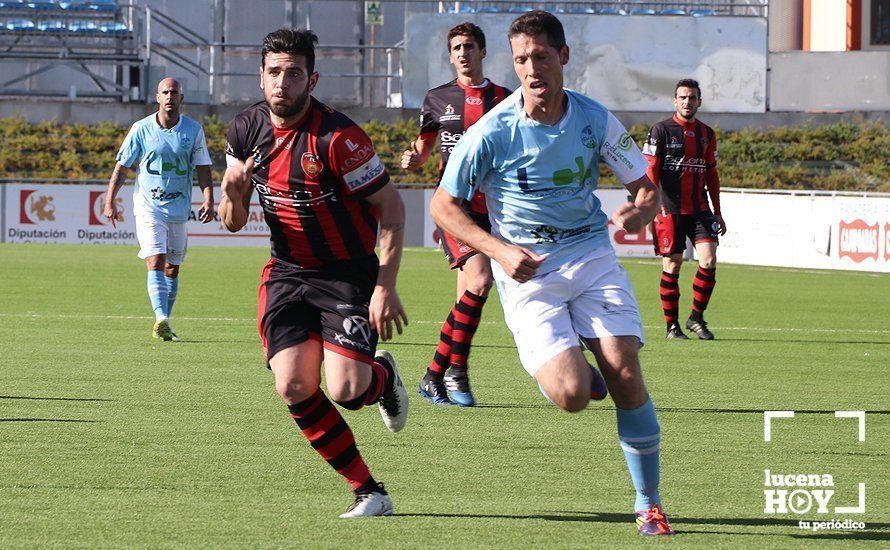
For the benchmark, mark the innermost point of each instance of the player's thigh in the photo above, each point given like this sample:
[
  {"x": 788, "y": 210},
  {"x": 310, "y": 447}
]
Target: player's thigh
[
  {"x": 619, "y": 361},
  {"x": 537, "y": 314},
  {"x": 605, "y": 305},
  {"x": 346, "y": 377},
  {"x": 177, "y": 242},
  {"x": 707, "y": 253},
  {"x": 152, "y": 237},
  {"x": 566, "y": 379},
  {"x": 476, "y": 275},
  {"x": 297, "y": 370}
]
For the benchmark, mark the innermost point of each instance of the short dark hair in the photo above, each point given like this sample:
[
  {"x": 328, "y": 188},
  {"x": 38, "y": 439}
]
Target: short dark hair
[
  {"x": 687, "y": 83},
  {"x": 466, "y": 29},
  {"x": 292, "y": 41},
  {"x": 539, "y": 22}
]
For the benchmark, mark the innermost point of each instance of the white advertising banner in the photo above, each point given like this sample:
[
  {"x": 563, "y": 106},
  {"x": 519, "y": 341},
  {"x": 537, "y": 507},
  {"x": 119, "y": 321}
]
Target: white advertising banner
[
  {"x": 776, "y": 229},
  {"x": 807, "y": 231},
  {"x": 73, "y": 214}
]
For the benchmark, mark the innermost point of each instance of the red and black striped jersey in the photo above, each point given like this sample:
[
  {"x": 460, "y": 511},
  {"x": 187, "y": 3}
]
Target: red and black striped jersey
[
  {"x": 448, "y": 110},
  {"x": 312, "y": 179},
  {"x": 683, "y": 162}
]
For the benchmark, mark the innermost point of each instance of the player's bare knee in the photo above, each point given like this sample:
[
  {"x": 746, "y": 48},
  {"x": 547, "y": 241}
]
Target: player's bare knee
[
  {"x": 171, "y": 271},
  {"x": 575, "y": 401},
  {"x": 292, "y": 390},
  {"x": 480, "y": 286},
  {"x": 708, "y": 263},
  {"x": 345, "y": 391}
]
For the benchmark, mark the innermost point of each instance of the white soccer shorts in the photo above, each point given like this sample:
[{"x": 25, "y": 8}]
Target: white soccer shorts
[
  {"x": 160, "y": 237},
  {"x": 591, "y": 297}
]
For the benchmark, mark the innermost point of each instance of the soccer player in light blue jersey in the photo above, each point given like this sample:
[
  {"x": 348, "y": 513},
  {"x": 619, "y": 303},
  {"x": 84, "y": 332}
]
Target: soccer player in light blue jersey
[
  {"x": 166, "y": 149},
  {"x": 536, "y": 158}
]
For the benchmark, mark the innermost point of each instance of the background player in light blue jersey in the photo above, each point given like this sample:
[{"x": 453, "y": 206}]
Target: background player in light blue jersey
[
  {"x": 167, "y": 149},
  {"x": 536, "y": 157}
]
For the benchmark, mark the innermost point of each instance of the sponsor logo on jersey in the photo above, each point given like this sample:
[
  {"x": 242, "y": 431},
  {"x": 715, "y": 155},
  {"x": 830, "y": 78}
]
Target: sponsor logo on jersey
[
  {"x": 473, "y": 100},
  {"x": 97, "y": 208},
  {"x": 688, "y": 133},
  {"x": 311, "y": 164},
  {"x": 36, "y": 208},
  {"x": 858, "y": 240},
  {"x": 351, "y": 145},
  {"x": 587, "y": 137},
  {"x": 449, "y": 114},
  {"x": 283, "y": 143},
  {"x": 361, "y": 154},
  {"x": 365, "y": 174},
  {"x": 450, "y": 138},
  {"x": 625, "y": 141}
]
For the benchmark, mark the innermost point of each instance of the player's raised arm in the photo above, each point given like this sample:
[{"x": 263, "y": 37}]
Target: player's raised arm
[{"x": 236, "y": 190}]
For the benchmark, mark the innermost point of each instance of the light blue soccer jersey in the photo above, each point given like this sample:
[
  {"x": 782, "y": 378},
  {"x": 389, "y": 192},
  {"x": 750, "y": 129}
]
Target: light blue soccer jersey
[
  {"x": 166, "y": 163},
  {"x": 539, "y": 180}
]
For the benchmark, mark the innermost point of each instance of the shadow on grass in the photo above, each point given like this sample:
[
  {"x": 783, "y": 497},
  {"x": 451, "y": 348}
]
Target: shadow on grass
[
  {"x": 787, "y": 341},
  {"x": 46, "y": 420},
  {"x": 432, "y": 346},
  {"x": 875, "y": 531},
  {"x": 54, "y": 398},
  {"x": 750, "y": 411}
]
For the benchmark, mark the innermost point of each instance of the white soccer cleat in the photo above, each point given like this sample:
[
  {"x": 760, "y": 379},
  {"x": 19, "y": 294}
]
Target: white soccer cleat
[
  {"x": 368, "y": 505},
  {"x": 394, "y": 403}
]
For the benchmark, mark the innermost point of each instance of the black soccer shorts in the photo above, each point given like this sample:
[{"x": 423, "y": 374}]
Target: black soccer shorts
[{"x": 329, "y": 304}]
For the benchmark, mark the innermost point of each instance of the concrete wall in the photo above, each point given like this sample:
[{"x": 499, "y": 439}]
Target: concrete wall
[
  {"x": 628, "y": 63},
  {"x": 830, "y": 81}
]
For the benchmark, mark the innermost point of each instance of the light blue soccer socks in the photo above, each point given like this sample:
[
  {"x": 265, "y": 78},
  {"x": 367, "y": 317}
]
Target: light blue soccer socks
[
  {"x": 158, "y": 294},
  {"x": 172, "y": 289},
  {"x": 640, "y": 437}
]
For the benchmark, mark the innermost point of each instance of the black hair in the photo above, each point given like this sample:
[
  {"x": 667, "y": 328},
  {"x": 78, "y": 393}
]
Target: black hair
[
  {"x": 292, "y": 41},
  {"x": 539, "y": 22}
]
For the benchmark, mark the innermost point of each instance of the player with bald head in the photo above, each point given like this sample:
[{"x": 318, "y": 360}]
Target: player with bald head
[{"x": 167, "y": 150}]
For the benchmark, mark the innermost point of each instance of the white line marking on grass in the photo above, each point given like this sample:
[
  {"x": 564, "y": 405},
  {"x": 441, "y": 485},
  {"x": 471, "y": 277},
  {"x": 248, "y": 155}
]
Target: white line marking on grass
[{"x": 425, "y": 322}]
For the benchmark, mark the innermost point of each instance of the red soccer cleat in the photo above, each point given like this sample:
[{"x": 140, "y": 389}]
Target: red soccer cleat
[{"x": 653, "y": 522}]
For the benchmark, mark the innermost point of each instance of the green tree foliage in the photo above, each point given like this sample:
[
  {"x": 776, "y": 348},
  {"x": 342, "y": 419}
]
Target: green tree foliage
[{"x": 839, "y": 156}]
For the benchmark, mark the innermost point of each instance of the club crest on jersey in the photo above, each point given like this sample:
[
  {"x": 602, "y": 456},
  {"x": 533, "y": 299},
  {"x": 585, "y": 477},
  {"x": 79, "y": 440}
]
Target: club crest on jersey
[
  {"x": 473, "y": 100},
  {"x": 587, "y": 137},
  {"x": 311, "y": 164}
]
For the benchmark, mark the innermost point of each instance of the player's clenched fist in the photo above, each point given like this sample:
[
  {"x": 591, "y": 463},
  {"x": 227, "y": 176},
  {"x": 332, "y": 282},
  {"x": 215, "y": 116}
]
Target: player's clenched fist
[
  {"x": 236, "y": 193},
  {"x": 629, "y": 216},
  {"x": 411, "y": 160}
]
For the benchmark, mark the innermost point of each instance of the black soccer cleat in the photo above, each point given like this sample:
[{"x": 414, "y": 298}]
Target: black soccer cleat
[
  {"x": 700, "y": 327},
  {"x": 434, "y": 390},
  {"x": 457, "y": 382},
  {"x": 674, "y": 332}
]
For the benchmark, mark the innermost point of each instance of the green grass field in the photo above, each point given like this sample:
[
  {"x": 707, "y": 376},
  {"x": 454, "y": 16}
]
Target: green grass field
[{"x": 111, "y": 439}]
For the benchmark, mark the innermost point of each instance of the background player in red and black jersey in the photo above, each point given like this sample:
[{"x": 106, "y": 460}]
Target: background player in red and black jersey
[
  {"x": 448, "y": 110},
  {"x": 682, "y": 154},
  {"x": 324, "y": 297}
]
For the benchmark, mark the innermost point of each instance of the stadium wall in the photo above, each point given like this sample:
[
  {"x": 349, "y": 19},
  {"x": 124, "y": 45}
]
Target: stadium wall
[
  {"x": 787, "y": 229},
  {"x": 728, "y": 56}
]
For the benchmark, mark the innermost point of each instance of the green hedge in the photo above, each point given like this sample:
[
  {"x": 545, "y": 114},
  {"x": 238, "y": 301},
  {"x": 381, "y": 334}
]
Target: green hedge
[{"x": 841, "y": 156}]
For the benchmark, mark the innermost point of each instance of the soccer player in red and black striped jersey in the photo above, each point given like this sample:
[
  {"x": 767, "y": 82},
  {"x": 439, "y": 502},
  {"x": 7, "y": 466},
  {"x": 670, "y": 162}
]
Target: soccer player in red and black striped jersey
[
  {"x": 324, "y": 296},
  {"x": 448, "y": 110},
  {"x": 682, "y": 155}
]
